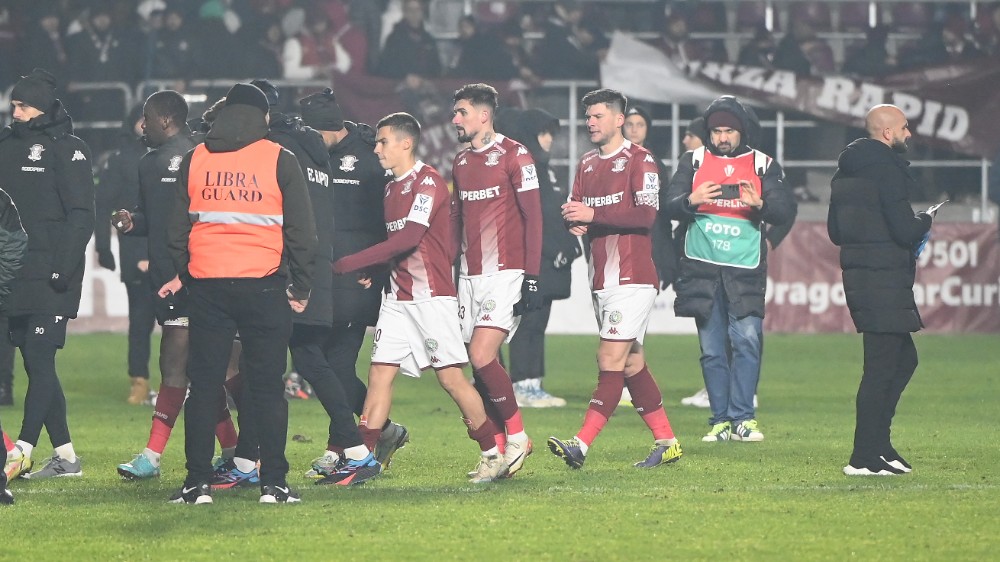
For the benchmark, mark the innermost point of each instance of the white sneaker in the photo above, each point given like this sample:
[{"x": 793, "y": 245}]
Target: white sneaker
[
  {"x": 698, "y": 399},
  {"x": 515, "y": 453},
  {"x": 626, "y": 399},
  {"x": 489, "y": 469},
  {"x": 530, "y": 394}
]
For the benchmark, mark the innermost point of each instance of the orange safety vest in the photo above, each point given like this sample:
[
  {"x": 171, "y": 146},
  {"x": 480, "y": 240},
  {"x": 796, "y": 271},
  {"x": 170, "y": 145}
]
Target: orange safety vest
[{"x": 235, "y": 212}]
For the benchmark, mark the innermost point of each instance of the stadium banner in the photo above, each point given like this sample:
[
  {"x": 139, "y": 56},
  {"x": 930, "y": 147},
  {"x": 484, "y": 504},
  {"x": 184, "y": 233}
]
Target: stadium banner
[
  {"x": 951, "y": 106},
  {"x": 957, "y": 288}
]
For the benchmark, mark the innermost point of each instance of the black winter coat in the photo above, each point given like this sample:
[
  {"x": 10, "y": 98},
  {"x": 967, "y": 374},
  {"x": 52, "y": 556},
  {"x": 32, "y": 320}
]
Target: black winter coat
[
  {"x": 698, "y": 280},
  {"x": 307, "y": 145},
  {"x": 870, "y": 218},
  {"x": 118, "y": 188},
  {"x": 13, "y": 245},
  {"x": 46, "y": 170},
  {"x": 159, "y": 173},
  {"x": 358, "y": 190}
]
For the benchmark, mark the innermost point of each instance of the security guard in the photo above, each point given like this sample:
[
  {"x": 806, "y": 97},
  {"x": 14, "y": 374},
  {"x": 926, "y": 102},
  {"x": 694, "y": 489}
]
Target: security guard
[{"x": 243, "y": 238}]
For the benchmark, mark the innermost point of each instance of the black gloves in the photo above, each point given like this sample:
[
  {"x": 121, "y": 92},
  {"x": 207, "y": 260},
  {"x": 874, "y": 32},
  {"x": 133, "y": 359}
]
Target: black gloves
[
  {"x": 59, "y": 282},
  {"x": 106, "y": 259},
  {"x": 531, "y": 296}
]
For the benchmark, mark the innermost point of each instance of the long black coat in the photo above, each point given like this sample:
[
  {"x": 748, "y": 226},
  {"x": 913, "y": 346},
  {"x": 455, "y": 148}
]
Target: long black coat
[
  {"x": 307, "y": 146},
  {"x": 871, "y": 219},
  {"x": 358, "y": 190},
  {"x": 46, "y": 170}
]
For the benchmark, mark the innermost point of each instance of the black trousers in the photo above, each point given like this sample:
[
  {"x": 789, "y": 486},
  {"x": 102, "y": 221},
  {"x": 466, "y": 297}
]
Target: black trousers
[
  {"x": 6, "y": 354},
  {"x": 258, "y": 309},
  {"x": 309, "y": 345},
  {"x": 527, "y": 347},
  {"x": 341, "y": 352},
  {"x": 141, "y": 318},
  {"x": 39, "y": 337},
  {"x": 890, "y": 360}
]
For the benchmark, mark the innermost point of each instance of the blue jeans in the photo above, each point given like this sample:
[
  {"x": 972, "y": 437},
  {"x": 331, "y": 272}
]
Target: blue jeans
[{"x": 730, "y": 361}]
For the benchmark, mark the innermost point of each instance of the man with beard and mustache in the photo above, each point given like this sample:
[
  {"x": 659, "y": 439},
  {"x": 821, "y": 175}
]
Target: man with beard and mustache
[
  {"x": 871, "y": 219},
  {"x": 499, "y": 212},
  {"x": 723, "y": 194},
  {"x": 165, "y": 131}
]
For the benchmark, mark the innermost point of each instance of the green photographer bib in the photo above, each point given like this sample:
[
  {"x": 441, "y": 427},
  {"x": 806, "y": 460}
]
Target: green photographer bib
[{"x": 723, "y": 241}]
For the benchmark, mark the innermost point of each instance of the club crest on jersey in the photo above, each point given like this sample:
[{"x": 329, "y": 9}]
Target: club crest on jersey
[
  {"x": 430, "y": 345},
  {"x": 175, "y": 163},
  {"x": 729, "y": 170},
  {"x": 347, "y": 163},
  {"x": 406, "y": 187},
  {"x": 619, "y": 164},
  {"x": 493, "y": 158},
  {"x": 615, "y": 317},
  {"x": 35, "y": 152}
]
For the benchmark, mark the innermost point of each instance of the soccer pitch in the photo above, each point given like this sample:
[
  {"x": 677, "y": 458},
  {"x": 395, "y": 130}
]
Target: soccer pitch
[{"x": 782, "y": 499}]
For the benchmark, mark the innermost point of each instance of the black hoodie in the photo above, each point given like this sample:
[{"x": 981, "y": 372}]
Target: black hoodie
[
  {"x": 237, "y": 127},
  {"x": 47, "y": 172},
  {"x": 871, "y": 219}
]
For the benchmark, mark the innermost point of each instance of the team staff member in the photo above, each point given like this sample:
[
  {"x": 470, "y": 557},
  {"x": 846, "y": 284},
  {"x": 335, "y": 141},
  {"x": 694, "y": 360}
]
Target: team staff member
[
  {"x": 723, "y": 194},
  {"x": 614, "y": 201},
  {"x": 165, "y": 132},
  {"x": 243, "y": 239},
  {"x": 873, "y": 223},
  {"x": 500, "y": 215},
  {"x": 357, "y": 183},
  {"x": 46, "y": 170},
  {"x": 13, "y": 244},
  {"x": 417, "y": 326}
]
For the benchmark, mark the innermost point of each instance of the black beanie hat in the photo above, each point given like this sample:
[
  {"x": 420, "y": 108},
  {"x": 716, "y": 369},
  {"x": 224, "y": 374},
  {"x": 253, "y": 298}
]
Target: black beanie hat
[
  {"x": 641, "y": 112},
  {"x": 246, "y": 94},
  {"x": 270, "y": 91},
  {"x": 697, "y": 128},
  {"x": 322, "y": 112},
  {"x": 37, "y": 89}
]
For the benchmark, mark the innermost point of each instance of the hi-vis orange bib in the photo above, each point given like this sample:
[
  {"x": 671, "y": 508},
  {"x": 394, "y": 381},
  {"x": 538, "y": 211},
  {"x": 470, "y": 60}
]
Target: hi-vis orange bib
[{"x": 236, "y": 212}]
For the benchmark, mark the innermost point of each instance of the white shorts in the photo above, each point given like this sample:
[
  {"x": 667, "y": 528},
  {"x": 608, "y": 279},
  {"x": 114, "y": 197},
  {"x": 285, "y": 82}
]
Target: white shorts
[
  {"x": 418, "y": 335},
  {"x": 487, "y": 301},
  {"x": 623, "y": 312}
]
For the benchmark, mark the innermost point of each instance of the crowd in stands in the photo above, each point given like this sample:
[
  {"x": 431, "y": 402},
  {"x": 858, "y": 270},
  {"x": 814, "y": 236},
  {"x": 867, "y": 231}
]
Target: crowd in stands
[{"x": 178, "y": 40}]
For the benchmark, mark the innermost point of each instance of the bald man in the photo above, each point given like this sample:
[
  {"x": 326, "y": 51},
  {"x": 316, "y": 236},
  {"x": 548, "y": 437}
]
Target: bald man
[{"x": 871, "y": 219}]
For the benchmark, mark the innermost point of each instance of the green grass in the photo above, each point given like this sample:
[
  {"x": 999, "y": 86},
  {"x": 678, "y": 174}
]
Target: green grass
[{"x": 783, "y": 499}]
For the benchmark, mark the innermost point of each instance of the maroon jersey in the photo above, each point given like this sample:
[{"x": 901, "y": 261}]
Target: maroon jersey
[
  {"x": 496, "y": 194},
  {"x": 623, "y": 189},
  {"x": 421, "y": 196}
]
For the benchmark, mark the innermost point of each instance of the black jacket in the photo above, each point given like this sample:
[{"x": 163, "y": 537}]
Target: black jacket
[
  {"x": 870, "y": 218},
  {"x": 118, "y": 188},
  {"x": 698, "y": 280},
  {"x": 307, "y": 146},
  {"x": 235, "y": 128},
  {"x": 358, "y": 191},
  {"x": 559, "y": 247},
  {"x": 46, "y": 170},
  {"x": 13, "y": 245}
]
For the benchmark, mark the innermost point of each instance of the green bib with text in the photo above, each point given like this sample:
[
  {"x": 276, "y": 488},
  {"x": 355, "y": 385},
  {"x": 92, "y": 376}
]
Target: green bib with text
[{"x": 723, "y": 241}]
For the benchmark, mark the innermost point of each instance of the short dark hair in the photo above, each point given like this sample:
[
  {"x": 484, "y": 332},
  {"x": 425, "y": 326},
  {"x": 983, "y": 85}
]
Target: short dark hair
[
  {"x": 478, "y": 94},
  {"x": 402, "y": 123},
  {"x": 607, "y": 96},
  {"x": 169, "y": 104}
]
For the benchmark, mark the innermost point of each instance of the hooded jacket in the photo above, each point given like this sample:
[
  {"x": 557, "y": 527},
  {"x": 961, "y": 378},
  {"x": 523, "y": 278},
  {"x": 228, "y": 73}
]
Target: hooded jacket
[
  {"x": 47, "y": 172},
  {"x": 559, "y": 247},
  {"x": 698, "y": 280},
  {"x": 358, "y": 191},
  {"x": 307, "y": 146},
  {"x": 870, "y": 218},
  {"x": 237, "y": 127}
]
